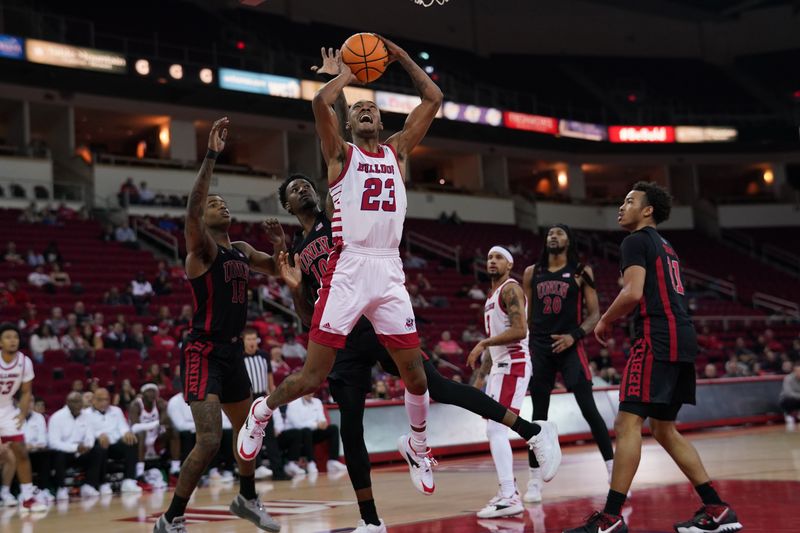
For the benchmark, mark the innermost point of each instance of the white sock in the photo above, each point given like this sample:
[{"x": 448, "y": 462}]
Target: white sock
[
  {"x": 535, "y": 475},
  {"x": 502, "y": 456},
  {"x": 262, "y": 412},
  {"x": 174, "y": 467},
  {"x": 25, "y": 490},
  {"x": 5, "y": 492},
  {"x": 139, "y": 469},
  {"x": 417, "y": 410}
]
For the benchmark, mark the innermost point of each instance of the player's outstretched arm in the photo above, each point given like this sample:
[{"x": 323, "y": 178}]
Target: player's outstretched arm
[
  {"x": 199, "y": 244},
  {"x": 334, "y": 148},
  {"x": 329, "y": 70},
  {"x": 421, "y": 117}
]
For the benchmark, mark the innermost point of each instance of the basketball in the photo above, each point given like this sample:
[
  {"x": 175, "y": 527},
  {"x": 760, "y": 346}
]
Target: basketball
[{"x": 366, "y": 55}]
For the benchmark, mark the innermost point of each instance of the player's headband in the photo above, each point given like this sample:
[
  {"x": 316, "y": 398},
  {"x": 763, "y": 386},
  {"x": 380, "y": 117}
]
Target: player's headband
[
  {"x": 148, "y": 386},
  {"x": 502, "y": 251}
]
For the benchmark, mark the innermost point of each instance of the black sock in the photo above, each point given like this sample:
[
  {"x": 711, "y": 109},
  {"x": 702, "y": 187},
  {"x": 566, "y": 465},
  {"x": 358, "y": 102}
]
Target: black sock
[
  {"x": 708, "y": 494},
  {"x": 614, "y": 503},
  {"x": 176, "y": 508},
  {"x": 369, "y": 513},
  {"x": 525, "y": 429},
  {"x": 247, "y": 487}
]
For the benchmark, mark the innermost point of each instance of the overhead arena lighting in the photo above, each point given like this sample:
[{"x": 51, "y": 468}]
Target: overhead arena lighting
[
  {"x": 142, "y": 67},
  {"x": 206, "y": 75},
  {"x": 176, "y": 71}
]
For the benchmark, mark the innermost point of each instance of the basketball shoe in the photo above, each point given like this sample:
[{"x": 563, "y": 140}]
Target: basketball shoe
[
  {"x": 178, "y": 525},
  {"x": 711, "y": 519},
  {"x": 534, "y": 492},
  {"x": 601, "y": 523},
  {"x": 546, "y": 449},
  {"x": 420, "y": 465},
  {"x": 363, "y": 527},
  {"x": 501, "y": 506},
  {"x": 35, "y": 503},
  {"x": 248, "y": 443},
  {"x": 253, "y": 511}
]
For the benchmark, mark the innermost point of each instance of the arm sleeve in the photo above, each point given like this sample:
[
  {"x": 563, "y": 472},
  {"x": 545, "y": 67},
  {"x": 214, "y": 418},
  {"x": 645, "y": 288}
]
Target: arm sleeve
[
  {"x": 122, "y": 423},
  {"x": 633, "y": 251}
]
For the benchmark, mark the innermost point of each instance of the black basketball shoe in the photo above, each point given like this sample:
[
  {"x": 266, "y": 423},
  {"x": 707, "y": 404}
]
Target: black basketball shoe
[
  {"x": 711, "y": 519},
  {"x": 601, "y": 523}
]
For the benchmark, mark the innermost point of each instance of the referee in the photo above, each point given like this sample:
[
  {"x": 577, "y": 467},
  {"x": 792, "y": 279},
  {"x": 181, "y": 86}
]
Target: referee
[{"x": 259, "y": 369}]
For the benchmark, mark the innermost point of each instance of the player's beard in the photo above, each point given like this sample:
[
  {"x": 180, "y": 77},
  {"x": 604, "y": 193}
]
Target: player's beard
[
  {"x": 556, "y": 250},
  {"x": 494, "y": 276}
]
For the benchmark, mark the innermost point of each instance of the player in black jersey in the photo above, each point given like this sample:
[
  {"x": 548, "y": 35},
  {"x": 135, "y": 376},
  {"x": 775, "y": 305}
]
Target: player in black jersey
[
  {"x": 660, "y": 374},
  {"x": 350, "y": 380},
  {"x": 212, "y": 367},
  {"x": 559, "y": 288}
]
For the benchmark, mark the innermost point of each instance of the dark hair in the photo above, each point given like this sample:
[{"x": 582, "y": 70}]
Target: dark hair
[
  {"x": 5, "y": 326},
  {"x": 249, "y": 331},
  {"x": 572, "y": 249},
  {"x": 657, "y": 197},
  {"x": 287, "y": 181}
]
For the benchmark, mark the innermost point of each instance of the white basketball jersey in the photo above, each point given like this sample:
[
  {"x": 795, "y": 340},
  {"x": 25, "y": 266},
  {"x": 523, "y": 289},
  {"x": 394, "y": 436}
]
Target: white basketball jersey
[
  {"x": 369, "y": 200},
  {"x": 12, "y": 376},
  {"x": 149, "y": 416},
  {"x": 497, "y": 322}
]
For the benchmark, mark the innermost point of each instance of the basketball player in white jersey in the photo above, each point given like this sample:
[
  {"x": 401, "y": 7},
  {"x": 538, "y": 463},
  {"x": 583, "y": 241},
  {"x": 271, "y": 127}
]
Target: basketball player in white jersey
[
  {"x": 364, "y": 271},
  {"x": 148, "y": 416},
  {"x": 16, "y": 374},
  {"x": 507, "y": 362}
]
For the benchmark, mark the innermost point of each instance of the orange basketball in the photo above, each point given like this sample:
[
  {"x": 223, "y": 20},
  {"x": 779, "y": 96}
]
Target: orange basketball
[{"x": 366, "y": 55}]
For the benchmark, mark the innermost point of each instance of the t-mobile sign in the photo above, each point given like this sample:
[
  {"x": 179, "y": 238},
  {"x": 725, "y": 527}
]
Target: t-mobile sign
[{"x": 641, "y": 134}]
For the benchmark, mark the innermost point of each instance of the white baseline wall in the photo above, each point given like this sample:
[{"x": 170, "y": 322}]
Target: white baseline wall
[
  {"x": 759, "y": 215},
  {"x": 602, "y": 218},
  {"x": 26, "y": 172}
]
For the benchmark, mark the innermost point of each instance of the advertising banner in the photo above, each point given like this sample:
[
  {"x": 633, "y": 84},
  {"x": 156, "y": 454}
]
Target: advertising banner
[
  {"x": 258, "y": 83},
  {"x": 12, "y": 47},
  {"x": 473, "y": 114},
  {"x": 641, "y": 134},
  {"x": 536, "y": 123},
  {"x": 582, "y": 130},
  {"x": 68, "y": 56}
]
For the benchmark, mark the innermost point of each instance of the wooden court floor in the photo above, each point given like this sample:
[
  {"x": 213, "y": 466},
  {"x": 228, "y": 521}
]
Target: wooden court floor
[{"x": 756, "y": 469}]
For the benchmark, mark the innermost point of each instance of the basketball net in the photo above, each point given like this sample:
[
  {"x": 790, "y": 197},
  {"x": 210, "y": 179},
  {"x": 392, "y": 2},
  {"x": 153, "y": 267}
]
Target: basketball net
[{"x": 429, "y": 3}]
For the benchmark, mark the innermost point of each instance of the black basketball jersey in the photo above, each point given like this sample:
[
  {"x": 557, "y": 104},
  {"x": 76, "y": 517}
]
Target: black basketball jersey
[
  {"x": 220, "y": 297},
  {"x": 314, "y": 250},
  {"x": 556, "y": 301},
  {"x": 662, "y": 318}
]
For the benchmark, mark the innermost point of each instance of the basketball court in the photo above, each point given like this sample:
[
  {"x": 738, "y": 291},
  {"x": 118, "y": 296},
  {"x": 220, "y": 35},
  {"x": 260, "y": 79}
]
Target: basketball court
[{"x": 756, "y": 469}]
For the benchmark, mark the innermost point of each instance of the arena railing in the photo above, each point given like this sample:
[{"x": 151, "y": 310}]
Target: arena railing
[
  {"x": 776, "y": 304},
  {"x": 782, "y": 257},
  {"x": 149, "y": 231},
  {"x": 418, "y": 240}
]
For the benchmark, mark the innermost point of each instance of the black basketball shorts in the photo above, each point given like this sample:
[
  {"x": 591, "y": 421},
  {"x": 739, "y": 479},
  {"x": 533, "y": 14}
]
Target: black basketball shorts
[
  {"x": 572, "y": 364},
  {"x": 214, "y": 368},
  {"x": 655, "y": 388}
]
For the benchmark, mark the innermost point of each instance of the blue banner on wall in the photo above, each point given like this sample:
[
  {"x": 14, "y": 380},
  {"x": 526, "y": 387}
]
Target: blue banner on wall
[{"x": 12, "y": 47}]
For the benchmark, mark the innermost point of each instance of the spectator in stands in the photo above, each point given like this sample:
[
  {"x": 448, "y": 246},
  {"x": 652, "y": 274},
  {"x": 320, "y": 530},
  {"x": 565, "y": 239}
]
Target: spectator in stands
[
  {"x": 155, "y": 374},
  {"x": 471, "y": 335},
  {"x": 93, "y": 339},
  {"x": 307, "y": 415},
  {"x": 447, "y": 347},
  {"x": 770, "y": 363},
  {"x": 710, "y": 371},
  {"x": 740, "y": 348},
  {"x": 138, "y": 339},
  {"x": 412, "y": 261},
  {"x": 182, "y": 422},
  {"x": 73, "y": 444},
  {"x": 597, "y": 380},
  {"x": 771, "y": 342},
  {"x": 42, "y": 340},
  {"x": 114, "y": 297},
  {"x": 476, "y": 293},
  {"x": 128, "y": 193},
  {"x": 142, "y": 293},
  {"x": 418, "y": 301},
  {"x": 98, "y": 323},
  {"x": 790, "y": 397},
  {"x": 707, "y": 340},
  {"x": 292, "y": 348},
  {"x": 110, "y": 427},
  {"x": 30, "y": 215},
  {"x": 75, "y": 345},
  {"x": 109, "y": 233},
  {"x": 52, "y": 255},
  {"x": 617, "y": 353},
  {"x": 162, "y": 285},
  {"x": 35, "y": 431},
  {"x": 29, "y": 320},
  {"x": 185, "y": 317},
  {"x": 77, "y": 386},
  {"x": 79, "y": 309},
  {"x": 380, "y": 391},
  {"x": 19, "y": 294},
  {"x": 610, "y": 375},
  {"x": 39, "y": 279},
  {"x": 117, "y": 338},
  {"x": 162, "y": 339},
  {"x": 125, "y": 234},
  {"x": 34, "y": 259},
  {"x": 57, "y": 321},
  {"x": 164, "y": 316},
  {"x": 125, "y": 396},
  {"x": 603, "y": 359},
  {"x": 279, "y": 366},
  {"x": 146, "y": 196},
  {"x": 11, "y": 255},
  {"x": 59, "y": 278},
  {"x": 735, "y": 369},
  {"x": 422, "y": 282}
]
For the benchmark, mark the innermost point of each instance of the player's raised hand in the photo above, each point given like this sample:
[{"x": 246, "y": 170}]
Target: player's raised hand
[
  {"x": 395, "y": 52},
  {"x": 291, "y": 275},
  {"x": 562, "y": 342},
  {"x": 274, "y": 231},
  {"x": 329, "y": 62},
  {"x": 475, "y": 354},
  {"x": 602, "y": 332},
  {"x": 219, "y": 132},
  {"x": 344, "y": 68}
]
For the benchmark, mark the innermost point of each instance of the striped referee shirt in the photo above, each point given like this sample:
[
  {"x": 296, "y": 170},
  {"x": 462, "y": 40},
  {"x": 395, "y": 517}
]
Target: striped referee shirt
[{"x": 258, "y": 368}]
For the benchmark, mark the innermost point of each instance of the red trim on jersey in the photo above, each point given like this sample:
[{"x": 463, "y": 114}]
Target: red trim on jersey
[
  {"x": 209, "y": 303},
  {"x": 584, "y": 361},
  {"x": 12, "y": 438},
  {"x": 201, "y": 391},
  {"x": 507, "y": 390},
  {"x": 390, "y": 147},
  {"x": 331, "y": 340},
  {"x": 13, "y": 363},
  {"x": 336, "y": 219},
  {"x": 345, "y": 167},
  {"x": 400, "y": 342},
  {"x": 647, "y": 372},
  {"x": 643, "y": 312},
  {"x": 662, "y": 290},
  {"x": 325, "y": 338},
  {"x": 379, "y": 153}
]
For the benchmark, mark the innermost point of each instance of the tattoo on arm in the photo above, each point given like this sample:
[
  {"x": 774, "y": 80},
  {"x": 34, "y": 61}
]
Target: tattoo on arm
[
  {"x": 486, "y": 364},
  {"x": 512, "y": 303}
]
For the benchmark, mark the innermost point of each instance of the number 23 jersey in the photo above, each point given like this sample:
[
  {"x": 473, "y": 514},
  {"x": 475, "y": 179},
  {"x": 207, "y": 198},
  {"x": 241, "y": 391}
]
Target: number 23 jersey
[
  {"x": 369, "y": 200},
  {"x": 12, "y": 376}
]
